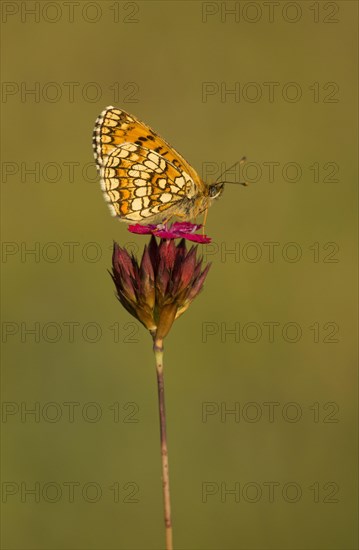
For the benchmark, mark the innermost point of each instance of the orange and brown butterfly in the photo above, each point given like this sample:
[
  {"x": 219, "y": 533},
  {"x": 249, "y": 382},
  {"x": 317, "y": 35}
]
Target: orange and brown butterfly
[{"x": 143, "y": 178}]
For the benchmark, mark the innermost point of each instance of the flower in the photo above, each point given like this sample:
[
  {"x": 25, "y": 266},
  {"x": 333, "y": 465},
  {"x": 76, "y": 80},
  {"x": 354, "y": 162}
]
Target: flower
[
  {"x": 177, "y": 230},
  {"x": 161, "y": 287}
]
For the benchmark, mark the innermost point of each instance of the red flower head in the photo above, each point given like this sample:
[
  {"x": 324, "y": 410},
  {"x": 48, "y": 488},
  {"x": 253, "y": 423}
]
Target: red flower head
[
  {"x": 159, "y": 289},
  {"x": 177, "y": 230}
]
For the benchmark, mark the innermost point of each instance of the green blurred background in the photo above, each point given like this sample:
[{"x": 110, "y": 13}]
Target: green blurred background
[{"x": 294, "y": 436}]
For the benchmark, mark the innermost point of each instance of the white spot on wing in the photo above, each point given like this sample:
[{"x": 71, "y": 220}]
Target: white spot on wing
[
  {"x": 136, "y": 204},
  {"x": 180, "y": 181},
  {"x": 129, "y": 146},
  {"x": 114, "y": 195},
  {"x": 109, "y": 172},
  {"x": 165, "y": 197},
  {"x": 140, "y": 167},
  {"x": 140, "y": 181},
  {"x": 146, "y": 213},
  {"x": 153, "y": 157},
  {"x": 151, "y": 165},
  {"x": 186, "y": 176},
  {"x": 141, "y": 192},
  {"x": 112, "y": 161},
  {"x": 122, "y": 153},
  {"x": 112, "y": 183},
  {"x": 135, "y": 216},
  {"x": 190, "y": 188}
]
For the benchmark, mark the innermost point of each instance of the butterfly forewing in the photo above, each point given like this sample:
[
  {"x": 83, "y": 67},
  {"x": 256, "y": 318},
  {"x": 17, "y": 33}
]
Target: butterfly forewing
[{"x": 142, "y": 176}]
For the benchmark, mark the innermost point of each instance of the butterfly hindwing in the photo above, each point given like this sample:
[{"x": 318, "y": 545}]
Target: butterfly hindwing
[{"x": 140, "y": 184}]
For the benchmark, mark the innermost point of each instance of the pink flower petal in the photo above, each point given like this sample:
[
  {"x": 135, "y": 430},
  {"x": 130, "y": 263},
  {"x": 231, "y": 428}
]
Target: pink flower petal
[
  {"x": 177, "y": 230},
  {"x": 141, "y": 229},
  {"x": 163, "y": 234},
  {"x": 197, "y": 238},
  {"x": 185, "y": 227}
]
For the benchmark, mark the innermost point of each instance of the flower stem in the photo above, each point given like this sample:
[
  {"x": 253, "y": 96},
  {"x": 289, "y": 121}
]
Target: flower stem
[{"x": 158, "y": 351}]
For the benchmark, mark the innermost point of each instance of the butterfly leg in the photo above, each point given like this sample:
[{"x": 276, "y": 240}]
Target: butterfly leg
[
  {"x": 166, "y": 220},
  {"x": 204, "y": 220}
]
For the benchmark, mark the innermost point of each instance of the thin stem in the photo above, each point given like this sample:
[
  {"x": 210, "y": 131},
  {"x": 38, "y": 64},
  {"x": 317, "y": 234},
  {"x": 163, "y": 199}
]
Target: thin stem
[{"x": 158, "y": 350}]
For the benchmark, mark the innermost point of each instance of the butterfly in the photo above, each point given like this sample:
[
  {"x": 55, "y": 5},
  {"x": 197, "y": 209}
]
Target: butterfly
[{"x": 143, "y": 178}]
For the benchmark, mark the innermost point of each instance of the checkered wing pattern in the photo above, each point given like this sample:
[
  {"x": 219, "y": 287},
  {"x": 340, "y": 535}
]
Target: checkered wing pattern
[{"x": 143, "y": 177}]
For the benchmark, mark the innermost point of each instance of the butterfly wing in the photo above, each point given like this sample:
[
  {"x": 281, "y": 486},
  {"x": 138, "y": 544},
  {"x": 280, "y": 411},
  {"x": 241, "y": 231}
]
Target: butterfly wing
[
  {"x": 142, "y": 185},
  {"x": 114, "y": 127}
]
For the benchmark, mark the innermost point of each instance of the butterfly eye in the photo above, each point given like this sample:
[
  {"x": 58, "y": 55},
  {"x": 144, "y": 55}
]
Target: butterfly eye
[{"x": 216, "y": 190}]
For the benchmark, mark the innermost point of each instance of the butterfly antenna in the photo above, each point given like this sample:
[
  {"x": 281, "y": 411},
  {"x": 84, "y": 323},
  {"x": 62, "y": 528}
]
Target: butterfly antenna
[{"x": 242, "y": 161}]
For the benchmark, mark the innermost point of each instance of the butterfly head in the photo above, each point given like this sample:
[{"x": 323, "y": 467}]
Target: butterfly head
[{"x": 215, "y": 190}]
